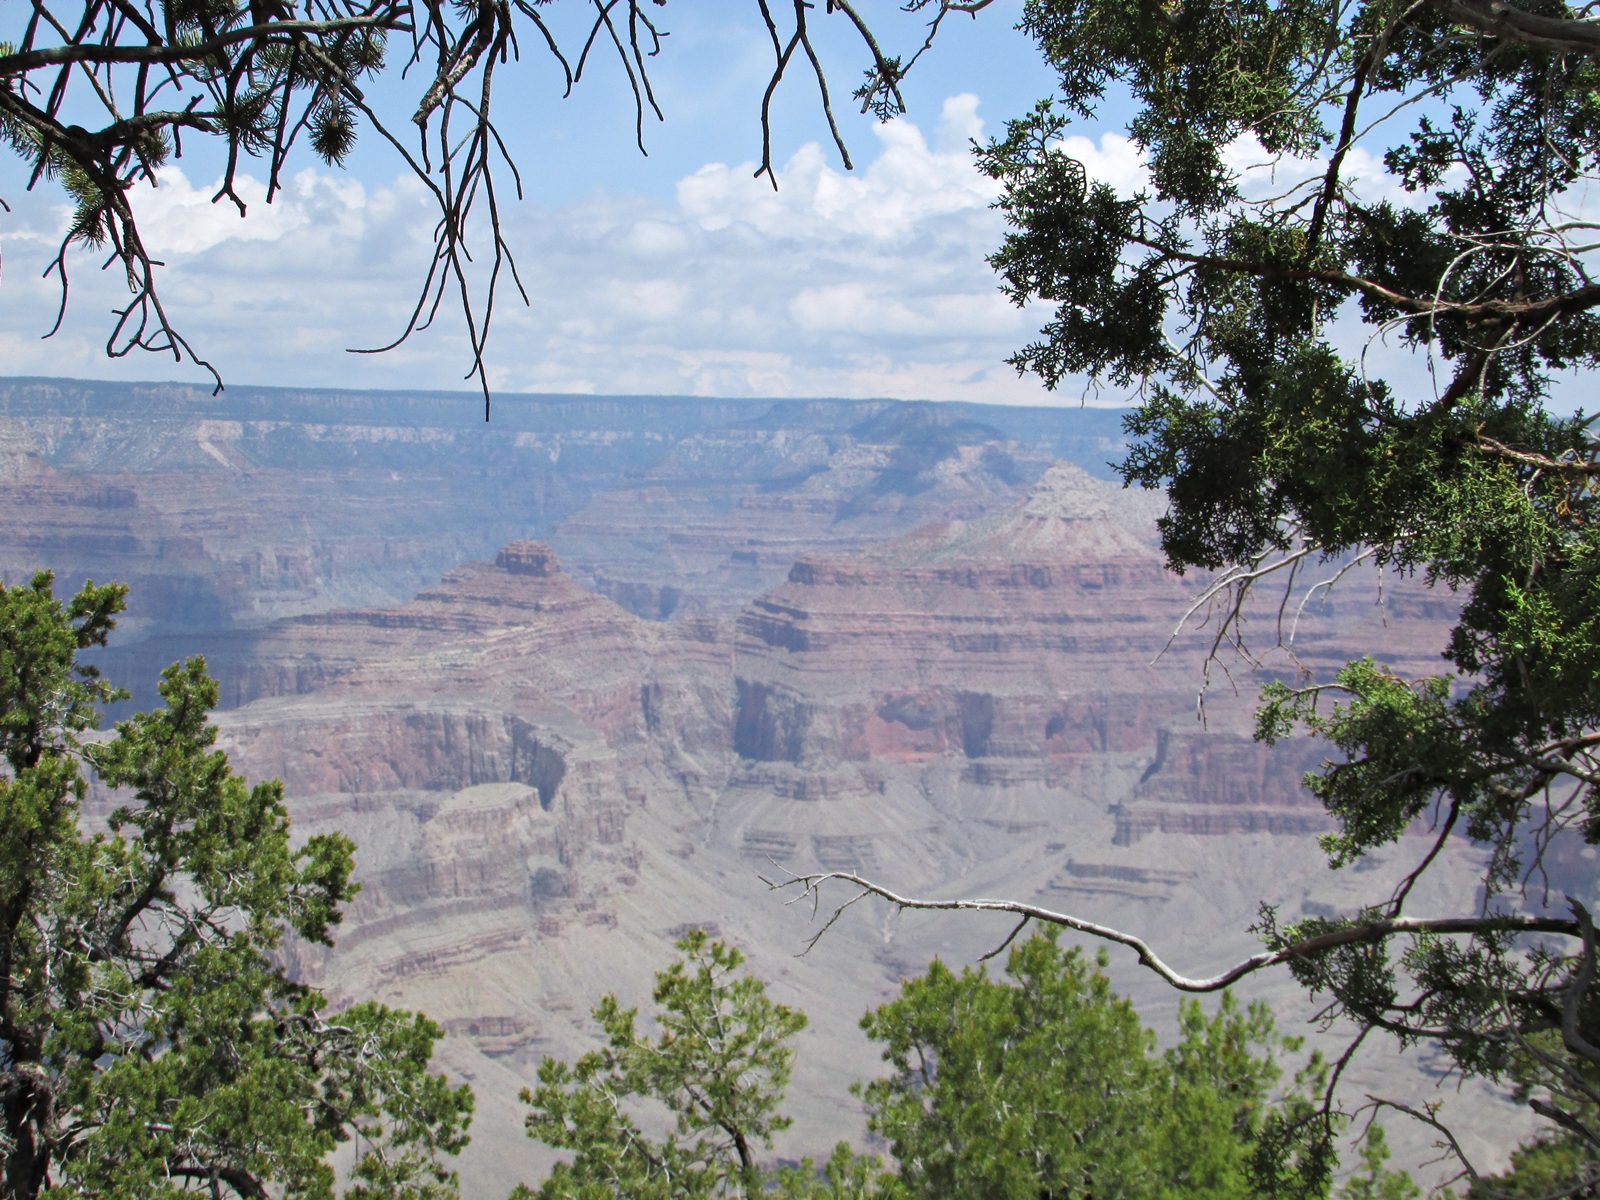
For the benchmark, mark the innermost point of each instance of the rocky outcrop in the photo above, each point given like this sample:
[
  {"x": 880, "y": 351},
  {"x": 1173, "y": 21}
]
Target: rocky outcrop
[
  {"x": 547, "y": 788},
  {"x": 1044, "y": 632},
  {"x": 1210, "y": 783},
  {"x": 1027, "y": 635},
  {"x": 478, "y": 618},
  {"x": 257, "y": 504},
  {"x": 527, "y": 558}
]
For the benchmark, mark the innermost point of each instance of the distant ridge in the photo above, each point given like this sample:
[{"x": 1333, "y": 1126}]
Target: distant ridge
[
  {"x": 1066, "y": 516},
  {"x": 526, "y": 411},
  {"x": 228, "y": 512}
]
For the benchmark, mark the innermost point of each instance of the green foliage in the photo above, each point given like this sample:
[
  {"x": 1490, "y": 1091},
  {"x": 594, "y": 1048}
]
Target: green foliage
[
  {"x": 1375, "y": 1181},
  {"x": 252, "y": 84},
  {"x": 1548, "y": 1166},
  {"x": 1401, "y": 747},
  {"x": 150, "y": 1042},
  {"x": 259, "y": 80},
  {"x": 1218, "y": 296},
  {"x": 1049, "y": 1085},
  {"x": 719, "y": 1066},
  {"x": 845, "y": 1176}
]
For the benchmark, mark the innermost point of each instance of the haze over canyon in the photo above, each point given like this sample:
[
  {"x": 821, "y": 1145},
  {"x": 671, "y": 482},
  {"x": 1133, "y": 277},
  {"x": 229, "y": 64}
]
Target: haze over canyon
[{"x": 586, "y": 676}]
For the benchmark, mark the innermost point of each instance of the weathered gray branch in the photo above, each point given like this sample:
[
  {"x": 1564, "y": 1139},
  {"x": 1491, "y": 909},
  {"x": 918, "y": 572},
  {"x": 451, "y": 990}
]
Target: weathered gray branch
[
  {"x": 1571, "y": 1036},
  {"x": 1562, "y": 35},
  {"x": 32, "y": 60},
  {"x": 1365, "y": 931}
]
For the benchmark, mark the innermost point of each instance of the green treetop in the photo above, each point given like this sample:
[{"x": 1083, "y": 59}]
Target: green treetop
[
  {"x": 151, "y": 1043},
  {"x": 1330, "y": 369},
  {"x": 1042, "y": 1086},
  {"x": 1048, "y": 1085},
  {"x": 1375, "y": 1181},
  {"x": 719, "y": 1066}
]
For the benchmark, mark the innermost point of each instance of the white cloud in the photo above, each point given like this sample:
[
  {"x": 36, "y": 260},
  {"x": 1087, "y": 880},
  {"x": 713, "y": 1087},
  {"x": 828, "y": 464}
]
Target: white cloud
[
  {"x": 657, "y": 239},
  {"x": 903, "y": 187},
  {"x": 855, "y": 308},
  {"x": 868, "y": 283},
  {"x": 175, "y": 216},
  {"x": 650, "y": 300},
  {"x": 1116, "y": 160},
  {"x": 863, "y": 283},
  {"x": 1263, "y": 174}
]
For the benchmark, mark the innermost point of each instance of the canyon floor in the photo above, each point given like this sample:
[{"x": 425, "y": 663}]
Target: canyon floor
[
  {"x": 733, "y": 646},
  {"x": 548, "y": 788}
]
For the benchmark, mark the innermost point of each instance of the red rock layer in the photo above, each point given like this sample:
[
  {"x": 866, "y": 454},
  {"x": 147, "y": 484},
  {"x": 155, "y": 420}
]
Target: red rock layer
[
  {"x": 1025, "y": 642},
  {"x": 544, "y": 785}
]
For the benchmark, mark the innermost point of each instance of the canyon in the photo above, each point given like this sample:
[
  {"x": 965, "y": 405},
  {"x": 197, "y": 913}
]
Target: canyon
[
  {"x": 234, "y": 510},
  {"x": 547, "y": 789},
  {"x": 606, "y": 690}
]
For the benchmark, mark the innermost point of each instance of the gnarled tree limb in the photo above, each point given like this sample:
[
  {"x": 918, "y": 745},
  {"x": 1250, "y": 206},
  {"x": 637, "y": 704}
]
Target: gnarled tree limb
[{"x": 1355, "y": 934}]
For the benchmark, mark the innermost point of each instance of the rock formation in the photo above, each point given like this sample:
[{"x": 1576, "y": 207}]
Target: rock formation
[
  {"x": 880, "y": 636},
  {"x": 546, "y": 788},
  {"x": 239, "y": 509}
]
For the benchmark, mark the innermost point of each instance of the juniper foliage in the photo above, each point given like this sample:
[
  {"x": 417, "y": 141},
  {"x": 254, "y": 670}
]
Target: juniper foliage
[
  {"x": 1238, "y": 304},
  {"x": 151, "y": 1042}
]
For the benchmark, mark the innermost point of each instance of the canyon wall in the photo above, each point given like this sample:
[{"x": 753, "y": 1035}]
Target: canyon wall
[
  {"x": 612, "y": 668},
  {"x": 547, "y": 788},
  {"x": 238, "y": 509}
]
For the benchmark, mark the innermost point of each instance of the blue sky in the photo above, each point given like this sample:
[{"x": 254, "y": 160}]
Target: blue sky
[{"x": 672, "y": 272}]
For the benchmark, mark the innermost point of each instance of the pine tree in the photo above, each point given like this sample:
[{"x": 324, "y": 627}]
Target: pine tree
[{"x": 151, "y": 1041}]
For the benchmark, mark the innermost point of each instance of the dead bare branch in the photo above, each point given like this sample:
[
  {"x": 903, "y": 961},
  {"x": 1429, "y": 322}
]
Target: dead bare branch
[
  {"x": 810, "y": 888},
  {"x": 249, "y": 66}
]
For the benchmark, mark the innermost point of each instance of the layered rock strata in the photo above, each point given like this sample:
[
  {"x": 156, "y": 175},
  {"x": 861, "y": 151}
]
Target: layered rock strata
[
  {"x": 547, "y": 789},
  {"x": 260, "y": 503},
  {"x": 1024, "y": 649}
]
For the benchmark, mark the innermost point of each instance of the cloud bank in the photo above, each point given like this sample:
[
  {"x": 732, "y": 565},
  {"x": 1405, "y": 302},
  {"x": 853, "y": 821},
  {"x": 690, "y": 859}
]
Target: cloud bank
[
  {"x": 871, "y": 283},
  {"x": 864, "y": 284}
]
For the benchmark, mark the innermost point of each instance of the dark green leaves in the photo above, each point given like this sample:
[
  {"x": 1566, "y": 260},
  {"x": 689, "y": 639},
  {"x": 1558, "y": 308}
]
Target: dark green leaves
[
  {"x": 1069, "y": 250},
  {"x": 45, "y": 695},
  {"x": 719, "y": 1066},
  {"x": 1258, "y": 312},
  {"x": 333, "y": 131},
  {"x": 1207, "y": 71},
  {"x": 152, "y": 1040},
  {"x": 1049, "y": 1085},
  {"x": 1402, "y": 747}
]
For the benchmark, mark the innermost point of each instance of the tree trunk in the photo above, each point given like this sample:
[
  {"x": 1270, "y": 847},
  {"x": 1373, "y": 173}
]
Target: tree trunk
[{"x": 27, "y": 1105}]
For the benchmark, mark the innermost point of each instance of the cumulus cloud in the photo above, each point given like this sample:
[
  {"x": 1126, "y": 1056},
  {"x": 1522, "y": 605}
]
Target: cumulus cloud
[
  {"x": 1114, "y": 160},
  {"x": 867, "y": 283},
  {"x": 905, "y": 187},
  {"x": 175, "y": 216},
  {"x": 863, "y": 283}
]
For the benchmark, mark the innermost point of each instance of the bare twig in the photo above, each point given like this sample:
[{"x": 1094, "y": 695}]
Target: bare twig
[
  {"x": 314, "y": 58},
  {"x": 810, "y": 888}
]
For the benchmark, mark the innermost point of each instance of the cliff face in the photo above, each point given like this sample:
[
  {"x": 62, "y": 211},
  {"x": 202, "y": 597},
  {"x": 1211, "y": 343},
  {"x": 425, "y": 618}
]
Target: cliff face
[
  {"x": 546, "y": 788},
  {"x": 752, "y": 640},
  {"x": 1018, "y": 636},
  {"x": 1029, "y": 647},
  {"x": 520, "y": 606},
  {"x": 232, "y": 511}
]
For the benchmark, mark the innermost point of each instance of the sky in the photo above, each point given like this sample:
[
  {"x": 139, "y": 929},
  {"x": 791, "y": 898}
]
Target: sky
[{"x": 672, "y": 273}]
